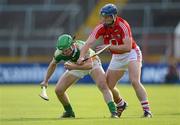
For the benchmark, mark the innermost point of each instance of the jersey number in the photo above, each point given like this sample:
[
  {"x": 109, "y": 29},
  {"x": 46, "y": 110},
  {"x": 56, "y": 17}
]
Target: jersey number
[{"x": 113, "y": 42}]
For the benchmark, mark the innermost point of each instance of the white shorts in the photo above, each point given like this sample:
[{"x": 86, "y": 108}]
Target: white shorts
[
  {"x": 121, "y": 61},
  {"x": 81, "y": 73}
]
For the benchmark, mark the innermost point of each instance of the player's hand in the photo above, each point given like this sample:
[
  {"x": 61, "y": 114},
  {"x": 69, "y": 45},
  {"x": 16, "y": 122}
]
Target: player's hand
[
  {"x": 80, "y": 61},
  {"x": 68, "y": 65},
  {"x": 44, "y": 84}
]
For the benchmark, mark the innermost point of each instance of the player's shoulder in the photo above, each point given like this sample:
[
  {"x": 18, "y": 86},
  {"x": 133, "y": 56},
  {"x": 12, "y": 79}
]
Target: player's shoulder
[
  {"x": 57, "y": 53},
  {"x": 120, "y": 20},
  {"x": 80, "y": 42},
  {"x": 100, "y": 26},
  {"x": 99, "y": 29}
]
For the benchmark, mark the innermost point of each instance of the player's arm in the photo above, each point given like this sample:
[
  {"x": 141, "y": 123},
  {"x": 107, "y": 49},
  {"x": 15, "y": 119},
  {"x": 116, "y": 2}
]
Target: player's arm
[
  {"x": 96, "y": 33},
  {"x": 126, "y": 47},
  {"x": 126, "y": 39},
  {"x": 50, "y": 71},
  {"x": 90, "y": 41},
  {"x": 73, "y": 66}
]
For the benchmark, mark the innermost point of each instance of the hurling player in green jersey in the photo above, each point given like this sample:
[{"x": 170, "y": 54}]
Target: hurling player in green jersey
[{"x": 68, "y": 50}]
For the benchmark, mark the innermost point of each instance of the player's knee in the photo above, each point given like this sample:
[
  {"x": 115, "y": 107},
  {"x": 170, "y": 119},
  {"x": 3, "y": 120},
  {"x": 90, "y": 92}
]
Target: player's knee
[
  {"x": 135, "y": 82},
  {"x": 59, "y": 91},
  {"x": 110, "y": 86},
  {"x": 102, "y": 85}
]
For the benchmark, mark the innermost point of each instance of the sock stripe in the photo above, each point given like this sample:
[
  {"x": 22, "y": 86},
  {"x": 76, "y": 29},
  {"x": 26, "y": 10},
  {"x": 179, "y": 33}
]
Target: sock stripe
[
  {"x": 145, "y": 105},
  {"x": 120, "y": 103},
  {"x": 145, "y": 108},
  {"x": 144, "y": 101},
  {"x": 118, "y": 100}
]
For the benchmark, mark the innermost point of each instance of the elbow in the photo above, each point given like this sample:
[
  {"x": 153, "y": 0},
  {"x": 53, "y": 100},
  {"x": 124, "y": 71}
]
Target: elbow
[
  {"x": 128, "y": 49},
  {"x": 53, "y": 64},
  {"x": 90, "y": 41},
  {"x": 89, "y": 67},
  {"x": 128, "y": 44}
]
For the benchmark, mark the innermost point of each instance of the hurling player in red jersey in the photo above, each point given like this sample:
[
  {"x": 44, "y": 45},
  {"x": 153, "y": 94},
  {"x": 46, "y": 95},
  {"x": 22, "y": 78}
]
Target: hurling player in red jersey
[{"x": 126, "y": 55}]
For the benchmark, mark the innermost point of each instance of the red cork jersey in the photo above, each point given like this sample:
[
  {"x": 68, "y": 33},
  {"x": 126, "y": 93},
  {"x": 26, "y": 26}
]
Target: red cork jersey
[{"x": 114, "y": 35}]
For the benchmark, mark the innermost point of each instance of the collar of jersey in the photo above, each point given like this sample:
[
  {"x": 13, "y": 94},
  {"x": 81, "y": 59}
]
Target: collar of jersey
[
  {"x": 75, "y": 50},
  {"x": 116, "y": 22}
]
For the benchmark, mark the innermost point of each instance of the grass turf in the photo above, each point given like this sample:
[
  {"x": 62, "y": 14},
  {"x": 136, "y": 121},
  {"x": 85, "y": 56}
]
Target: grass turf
[{"x": 21, "y": 105}]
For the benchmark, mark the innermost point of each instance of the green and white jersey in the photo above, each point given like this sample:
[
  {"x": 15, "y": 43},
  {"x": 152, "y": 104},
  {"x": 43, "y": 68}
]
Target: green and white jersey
[{"x": 58, "y": 56}]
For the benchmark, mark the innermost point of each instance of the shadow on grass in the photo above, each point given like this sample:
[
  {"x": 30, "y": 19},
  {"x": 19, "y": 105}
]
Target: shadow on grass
[{"x": 59, "y": 119}]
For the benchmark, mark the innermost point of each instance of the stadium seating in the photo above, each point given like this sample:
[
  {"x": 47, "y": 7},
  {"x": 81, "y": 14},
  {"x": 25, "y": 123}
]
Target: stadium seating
[
  {"x": 27, "y": 26},
  {"x": 153, "y": 23}
]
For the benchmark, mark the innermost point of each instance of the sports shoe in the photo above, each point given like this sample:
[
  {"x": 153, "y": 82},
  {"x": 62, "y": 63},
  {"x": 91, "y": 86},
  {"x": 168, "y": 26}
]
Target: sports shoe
[
  {"x": 147, "y": 114},
  {"x": 68, "y": 115},
  {"x": 120, "y": 109},
  {"x": 114, "y": 115}
]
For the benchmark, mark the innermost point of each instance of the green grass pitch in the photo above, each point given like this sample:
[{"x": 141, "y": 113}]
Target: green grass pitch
[{"x": 21, "y": 105}]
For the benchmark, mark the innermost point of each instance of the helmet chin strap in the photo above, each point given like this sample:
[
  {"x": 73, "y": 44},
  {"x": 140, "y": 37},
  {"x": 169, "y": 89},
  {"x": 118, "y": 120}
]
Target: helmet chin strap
[
  {"x": 109, "y": 24},
  {"x": 74, "y": 50}
]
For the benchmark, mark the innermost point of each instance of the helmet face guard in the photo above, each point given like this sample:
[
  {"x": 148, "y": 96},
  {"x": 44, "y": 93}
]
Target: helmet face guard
[
  {"x": 108, "y": 20},
  {"x": 109, "y": 10}
]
